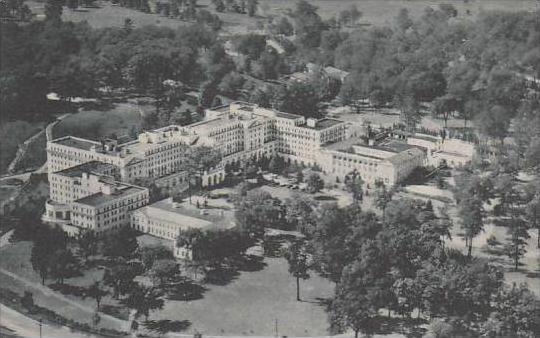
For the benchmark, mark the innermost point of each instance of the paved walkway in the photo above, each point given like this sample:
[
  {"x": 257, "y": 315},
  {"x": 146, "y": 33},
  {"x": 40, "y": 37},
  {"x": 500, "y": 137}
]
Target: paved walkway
[{"x": 123, "y": 324}]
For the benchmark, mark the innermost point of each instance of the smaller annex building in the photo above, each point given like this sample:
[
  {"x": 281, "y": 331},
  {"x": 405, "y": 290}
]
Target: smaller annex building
[
  {"x": 166, "y": 219},
  {"x": 389, "y": 161}
]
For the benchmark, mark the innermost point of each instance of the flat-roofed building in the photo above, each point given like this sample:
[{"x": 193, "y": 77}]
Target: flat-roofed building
[
  {"x": 87, "y": 196},
  {"x": 388, "y": 162},
  {"x": 79, "y": 181},
  {"x": 108, "y": 210},
  {"x": 166, "y": 219},
  {"x": 240, "y": 131},
  {"x": 453, "y": 152},
  {"x": 267, "y": 131}
]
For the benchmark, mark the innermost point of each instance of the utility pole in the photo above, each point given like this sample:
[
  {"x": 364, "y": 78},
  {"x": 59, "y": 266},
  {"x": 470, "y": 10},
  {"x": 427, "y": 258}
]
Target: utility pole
[
  {"x": 40, "y": 325},
  {"x": 276, "y": 327}
]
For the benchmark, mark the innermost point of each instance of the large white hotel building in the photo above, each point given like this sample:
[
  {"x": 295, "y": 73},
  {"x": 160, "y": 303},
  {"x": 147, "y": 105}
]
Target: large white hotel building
[{"x": 92, "y": 182}]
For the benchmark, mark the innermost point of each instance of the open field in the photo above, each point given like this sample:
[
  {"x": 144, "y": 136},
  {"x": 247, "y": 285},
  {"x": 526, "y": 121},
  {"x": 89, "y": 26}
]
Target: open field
[
  {"x": 107, "y": 15},
  {"x": 251, "y": 304},
  {"x": 387, "y": 117},
  {"x": 375, "y": 12},
  {"x": 248, "y": 305},
  {"x": 119, "y": 119},
  {"x": 529, "y": 270}
]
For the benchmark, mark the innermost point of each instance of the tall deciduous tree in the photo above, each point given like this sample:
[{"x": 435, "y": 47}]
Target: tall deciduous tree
[
  {"x": 53, "y": 10},
  {"x": 95, "y": 291},
  {"x": 355, "y": 185},
  {"x": 314, "y": 183},
  {"x": 143, "y": 300},
  {"x": 472, "y": 220},
  {"x": 298, "y": 263},
  {"x": 120, "y": 278},
  {"x": 63, "y": 264},
  {"x": 494, "y": 123},
  {"x": 353, "y": 306},
  {"x": 47, "y": 241},
  {"x": 309, "y": 24},
  {"x": 87, "y": 244},
  {"x": 517, "y": 239},
  {"x": 252, "y": 7},
  {"x": 383, "y": 196},
  {"x": 122, "y": 244},
  {"x": 163, "y": 271}
]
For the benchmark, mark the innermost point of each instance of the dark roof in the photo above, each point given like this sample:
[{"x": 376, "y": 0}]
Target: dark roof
[{"x": 88, "y": 167}]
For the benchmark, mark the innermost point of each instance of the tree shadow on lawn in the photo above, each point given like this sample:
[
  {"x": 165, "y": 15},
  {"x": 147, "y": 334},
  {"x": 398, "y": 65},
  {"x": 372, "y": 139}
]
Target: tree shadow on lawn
[
  {"x": 410, "y": 327},
  {"x": 221, "y": 276},
  {"x": 68, "y": 289},
  {"x": 226, "y": 273},
  {"x": 249, "y": 263},
  {"x": 185, "y": 291},
  {"x": 324, "y": 198},
  {"x": 325, "y": 302},
  {"x": 165, "y": 326},
  {"x": 533, "y": 274}
]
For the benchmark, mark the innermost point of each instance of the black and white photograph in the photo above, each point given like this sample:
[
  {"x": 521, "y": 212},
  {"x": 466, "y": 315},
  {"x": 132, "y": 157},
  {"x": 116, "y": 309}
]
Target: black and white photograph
[{"x": 269, "y": 168}]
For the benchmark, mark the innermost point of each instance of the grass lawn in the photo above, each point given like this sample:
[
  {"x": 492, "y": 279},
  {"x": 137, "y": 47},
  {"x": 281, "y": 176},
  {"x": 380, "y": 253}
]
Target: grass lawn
[
  {"x": 107, "y": 15},
  {"x": 529, "y": 270},
  {"x": 338, "y": 196},
  {"x": 378, "y": 12},
  {"x": 385, "y": 117},
  {"x": 375, "y": 12},
  {"x": 15, "y": 258},
  {"x": 118, "y": 119},
  {"x": 251, "y": 304}
]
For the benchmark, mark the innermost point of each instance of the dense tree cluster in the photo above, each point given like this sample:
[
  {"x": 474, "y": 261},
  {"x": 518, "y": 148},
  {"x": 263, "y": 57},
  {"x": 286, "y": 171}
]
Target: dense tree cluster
[
  {"x": 51, "y": 257},
  {"x": 75, "y": 60},
  {"x": 236, "y": 6},
  {"x": 400, "y": 265},
  {"x": 15, "y": 10}
]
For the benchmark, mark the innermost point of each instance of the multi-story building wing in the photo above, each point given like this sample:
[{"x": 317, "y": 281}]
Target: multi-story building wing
[
  {"x": 69, "y": 151},
  {"x": 300, "y": 140},
  {"x": 79, "y": 181},
  {"x": 88, "y": 196},
  {"x": 108, "y": 210},
  {"x": 389, "y": 162},
  {"x": 239, "y": 131},
  {"x": 266, "y": 131}
]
